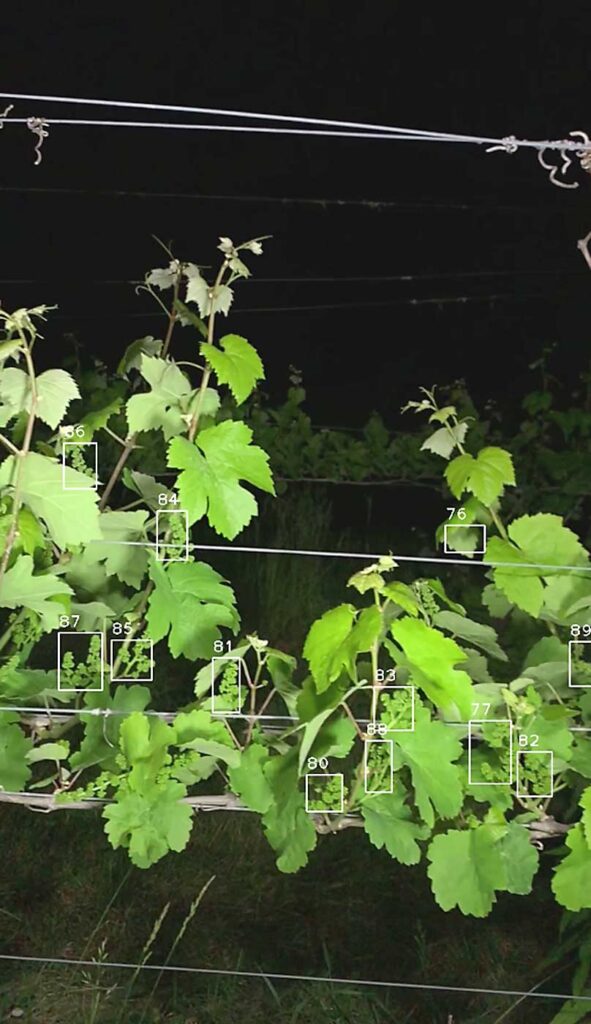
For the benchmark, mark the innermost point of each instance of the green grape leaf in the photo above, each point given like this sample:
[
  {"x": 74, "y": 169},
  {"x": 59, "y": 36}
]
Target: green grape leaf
[
  {"x": 444, "y": 440},
  {"x": 21, "y": 684},
  {"x": 29, "y": 531},
  {"x": 14, "y": 747},
  {"x": 585, "y": 804},
  {"x": 101, "y": 734},
  {"x": 474, "y": 632},
  {"x": 485, "y": 476},
  {"x": 465, "y": 870},
  {"x": 430, "y": 752},
  {"x": 520, "y": 859},
  {"x": 197, "y": 730},
  {"x": 132, "y": 357},
  {"x": 248, "y": 778},
  {"x": 98, "y": 418},
  {"x": 572, "y": 878},
  {"x": 199, "y": 291},
  {"x": 212, "y": 468},
  {"x": 146, "y": 486},
  {"x": 334, "y": 641},
  {"x": 161, "y": 408},
  {"x": 71, "y": 516},
  {"x": 235, "y": 363},
  {"x": 48, "y": 752},
  {"x": 541, "y": 539},
  {"x": 288, "y": 828},
  {"x": 14, "y": 393},
  {"x": 149, "y": 825},
  {"x": 431, "y": 658},
  {"x": 388, "y": 823},
  {"x": 55, "y": 390},
  {"x": 20, "y": 588},
  {"x": 402, "y": 595},
  {"x": 118, "y": 549},
  {"x": 189, "y": 317},
  {"x": 189, "y": 603}
]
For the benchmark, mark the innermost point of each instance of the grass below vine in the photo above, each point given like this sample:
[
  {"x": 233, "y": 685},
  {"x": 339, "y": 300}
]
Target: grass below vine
[{"x": 353, "y": 913}]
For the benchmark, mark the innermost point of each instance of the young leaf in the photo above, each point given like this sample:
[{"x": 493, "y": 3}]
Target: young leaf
[
  {"x": 520, "y": 859},
  {"x": 118, "y": 550},
  {"x": 100, "y": 744},
  {"x": 55, "y": 390},
  {"x": 572, "y": 879},
  {"x": 485, "y": 476},
  {"x": 70, "y": 516},
  {"x": 149, "y": 825},
  {"x": 14, "y": 747},
  {"x": 465, "y": 870},
  {"x": 191, "y": 601},
  {"x": 389, "y": 824},
  {"x": 132, "y": 357},
  {"x": 249, "y": 781},
  {"x": 430, "y": 752},
  {"x": 160, "y": 408},
  {"x": 20, "y": 588},
  {"x": 432, "y": 657},
  {"x": 236, "y": 363},
  {"x": 212, "y": 468},
  {"x": 289, "y": 829},
  {"x": 333, "y": 642},
  {"x": 444, "y": 440},
  {"x": 474, "y": 632}
]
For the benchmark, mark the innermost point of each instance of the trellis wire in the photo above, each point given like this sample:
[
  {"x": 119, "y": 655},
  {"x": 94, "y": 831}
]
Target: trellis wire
[{"x": 276, "y": 976}]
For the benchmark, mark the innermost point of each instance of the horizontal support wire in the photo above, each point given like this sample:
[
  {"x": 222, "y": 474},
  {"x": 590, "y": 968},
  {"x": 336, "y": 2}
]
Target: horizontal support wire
[
  {"x": 368, "y": 130},
  {"x": 365, "y": 556},
  {"x": 532, "y": 993}
]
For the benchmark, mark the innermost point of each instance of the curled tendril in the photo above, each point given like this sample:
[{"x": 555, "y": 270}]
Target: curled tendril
[
  {"x": 507, "y": 145},
  {"x": 5, "y": 113},
  {"x": 40, "y": 127}
]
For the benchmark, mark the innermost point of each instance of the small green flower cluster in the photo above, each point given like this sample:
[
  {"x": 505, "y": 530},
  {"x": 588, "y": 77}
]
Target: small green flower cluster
[
  {"x": 229, "y": 688},
  {"x": 581, "y": 669},
  {"x": 83, "y": 674},
  {"x": 173, "y": 527},
  {"x": 326, "y": 794},
  {"x": 534, "y": 775},
  {"x": 77, "y": 457},
  {"x": 26, "y": 631},
  {"x": 135, "y": 661},
  {"x": 396, "y": 708},
  {"x": 426, "y": 597}
]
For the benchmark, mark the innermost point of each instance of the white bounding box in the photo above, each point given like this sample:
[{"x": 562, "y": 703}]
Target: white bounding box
[
  {"x": 160, "y": 542},
  {"x": 224, "y": 712},
  {"x": 131, "y": 679},
  {"x": 577, "y": 686},
  {"x": 79, "y": 689},
  {"x": 464, "y": 526},
  {"x": 79, "y": 444},
  {"x": 325, "y": 775},
  {"x": 375, "y": 728},
  {"x": 390, "y": 789},
  {"x": 549, "y": 754},
  {"x": 490, "y": 721}
]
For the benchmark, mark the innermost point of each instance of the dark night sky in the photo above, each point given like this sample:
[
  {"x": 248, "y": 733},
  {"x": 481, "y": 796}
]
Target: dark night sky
[{"x": 509, "y": 69}]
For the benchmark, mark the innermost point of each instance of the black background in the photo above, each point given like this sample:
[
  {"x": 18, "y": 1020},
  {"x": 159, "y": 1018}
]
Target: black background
[{"x": 519, "y": 69}]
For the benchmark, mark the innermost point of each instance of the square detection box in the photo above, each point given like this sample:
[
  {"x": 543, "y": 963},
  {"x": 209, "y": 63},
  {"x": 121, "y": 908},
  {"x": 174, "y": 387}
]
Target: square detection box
[
  {"x": 147, "y": 646},
  {"x": 68, "y": 646},
  {"x": 315, "y": 783},
  {"x": 161, "y": 544},
  {"x": 93, "y": 485},
  {"x": 231, "y": 666},
  {"x": 572, "y": 667},
  {"x": 376, "y": 728},
  {"x": 368, "y": 769},
  {"x": 472, "y": 781},
  {"x": 464, "y": 526},
  {"x": 534, "y": 756}
]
